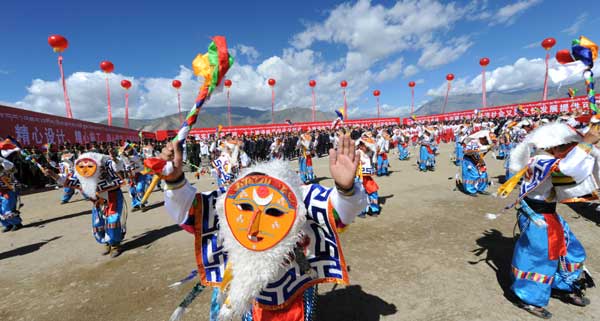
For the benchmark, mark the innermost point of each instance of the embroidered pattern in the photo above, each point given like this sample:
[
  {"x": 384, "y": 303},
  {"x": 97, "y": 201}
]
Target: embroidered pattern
[{"x": 532, "y": 276}]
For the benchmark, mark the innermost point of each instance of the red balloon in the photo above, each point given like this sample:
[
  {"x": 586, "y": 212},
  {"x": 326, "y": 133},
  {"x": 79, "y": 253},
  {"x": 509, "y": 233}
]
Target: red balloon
[
  {"x": 548, "y": 43},
  {"x": 343, "y": 83},
  {"x": 125, "y": 83},
  {"x": 411, "y": 84},
  {"x": 484, "y": 61},
  {"x": 271, "y": 82},
  {"x": 107, "y": 66},
  {"x": 564, "y": 56},
  {"x": 227, "y": 83},
  {"x": 176, "y": 83},
  {"x": 450, "y": 77},
  {"x": 312, "y": 83},
  {"x": 376, "y": 93},
  {"x": 58, "y": 43}
]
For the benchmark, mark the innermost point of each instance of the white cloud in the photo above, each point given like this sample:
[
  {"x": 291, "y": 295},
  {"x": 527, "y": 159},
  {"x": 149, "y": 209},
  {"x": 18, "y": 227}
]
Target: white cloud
[
  {"x": 4, "y": 72},
  {"x": 523, "y": 74},
  {"x": 250, "y": 52},
  {"x": 535, "y": 44},
  {"x": 410, "y": 71},
  {"x": 435, "y": 55},
  {"x": 509, "y": 13},
  {"x": 573, "y": 29},
  {"x": 373, "y": 36}
]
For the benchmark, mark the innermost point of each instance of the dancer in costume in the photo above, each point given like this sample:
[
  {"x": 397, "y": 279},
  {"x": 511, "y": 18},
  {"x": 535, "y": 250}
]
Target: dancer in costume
[
  {"x": 9, "y": 215},
  {"x": 133, "y": 166},
  {"x": 66, "y": 168},
  {"x": 305, "y": 147},
  {"x": 366, "y": 147},
  {"x": 383, "y": 147},
  {"x": 474, "y": 176},
  {"x": 402, "y": 138},
  {"x": 548, "y": 258},
  {"x": 261, "y": 245},
  {"x": 275, "y": 149},
  {"x": 427, "y": 152},
  {"x": 459, "y": 145},
  {"x": 96, "y": 177}
]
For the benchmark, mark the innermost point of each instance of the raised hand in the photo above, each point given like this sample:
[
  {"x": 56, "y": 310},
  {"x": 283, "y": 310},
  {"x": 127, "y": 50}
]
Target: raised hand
[
  {"x": 343, "y": 163},
  {"x": 172, "y": 152}
]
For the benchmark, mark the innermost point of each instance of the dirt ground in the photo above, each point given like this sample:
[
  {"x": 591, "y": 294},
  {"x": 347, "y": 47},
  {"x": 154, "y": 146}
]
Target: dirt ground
[{"x": 430, "y": 255}]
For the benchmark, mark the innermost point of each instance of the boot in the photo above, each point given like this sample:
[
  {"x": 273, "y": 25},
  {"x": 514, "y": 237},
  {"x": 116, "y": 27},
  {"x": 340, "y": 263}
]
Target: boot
[
  {"x": 105, "y": 249},
  {"x": 7, "y": 228},
  {"x": 115, "y": 250}
]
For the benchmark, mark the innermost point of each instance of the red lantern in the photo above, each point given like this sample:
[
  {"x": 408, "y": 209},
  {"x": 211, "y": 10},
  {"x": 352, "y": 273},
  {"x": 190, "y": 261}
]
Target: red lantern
[
  {"x": 312, "y": 83},
  {"x": 344, "y": 84},
  {"x": 126, "y": 84},
  {"x": 227, "y": 83},
  {"x": 484, "y": 61},
  {"x": 271, "y": 82},
  {"x": 376, "y": 93},
  {"x": 450, "y": 77},
  {"x": 58, "y": 43},
  {"x": 176, "y": 84},
  {"x": 564, "y": 56},
  {"x": 107, "y": 66},
  {"x": 411, "y": 84},
  {"x": 548, "y": 43}
]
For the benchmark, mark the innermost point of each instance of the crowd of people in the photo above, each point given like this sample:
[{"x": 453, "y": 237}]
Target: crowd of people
[{"x": 274, "y": 214}]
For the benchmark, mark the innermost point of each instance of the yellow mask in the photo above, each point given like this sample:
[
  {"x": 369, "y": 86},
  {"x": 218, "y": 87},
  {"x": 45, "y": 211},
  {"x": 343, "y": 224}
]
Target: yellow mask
[
  {"x": 86, "y": 167},
  {"x": 260, "y": 211}
]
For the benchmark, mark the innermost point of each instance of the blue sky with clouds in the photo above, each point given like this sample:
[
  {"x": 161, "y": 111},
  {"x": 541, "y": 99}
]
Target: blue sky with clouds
[{"x": 372, "y": 44}]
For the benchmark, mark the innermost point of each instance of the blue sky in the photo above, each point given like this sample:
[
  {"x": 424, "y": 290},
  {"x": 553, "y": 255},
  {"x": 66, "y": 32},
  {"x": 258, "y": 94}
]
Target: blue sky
[{"x": 374, "y": 45}]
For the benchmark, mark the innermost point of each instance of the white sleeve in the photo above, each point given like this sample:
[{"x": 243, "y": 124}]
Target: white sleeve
[
  {"x": 7, "y": 165},
  {"x": 578, "y": 164},
  {"x": 179, "y": 201},
  {"x": 348, "y": 207}
]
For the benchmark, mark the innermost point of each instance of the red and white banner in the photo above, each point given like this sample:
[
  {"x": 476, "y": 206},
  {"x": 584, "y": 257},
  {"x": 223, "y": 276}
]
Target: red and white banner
[
  {"x": 554, "y": 106},
  {"x": 266, "y": 129},
  {"x": 35, "y": 129}
]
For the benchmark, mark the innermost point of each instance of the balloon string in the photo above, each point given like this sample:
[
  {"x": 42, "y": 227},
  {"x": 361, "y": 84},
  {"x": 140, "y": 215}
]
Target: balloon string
[
  {"x": 64, "y": 85},
  {"x": 108, "y": 99},
  {"x": 546, "y": 79},
  {"x": 179, "y": 106},
  {"x": 483, "y": 89},
  {"x": 272, "y": 105},
  {"x": 446, "y": 100},
  {"x": 345, "y": 106},
  {"x": 314, "y": 105},
  {"x": 126, "y": 109},
  {"x": 377, "y": 107},
  {"x": 412, "y": 100},
  {"x": 228, "y": 108}
]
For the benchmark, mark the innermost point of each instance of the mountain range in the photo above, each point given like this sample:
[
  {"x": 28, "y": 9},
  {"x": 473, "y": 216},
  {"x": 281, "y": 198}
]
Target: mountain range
[
  {"x": 495, "y": 98},
  {"x": 213, "y": 116}
]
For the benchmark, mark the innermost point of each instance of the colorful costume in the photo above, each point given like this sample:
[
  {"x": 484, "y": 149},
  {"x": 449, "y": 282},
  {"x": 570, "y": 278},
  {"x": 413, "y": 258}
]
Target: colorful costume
[
  {"x": 66, "y": 168},
  {"x": 402, "y": 140},
  {"x": 268, "y": 241},
  {"x": 97, "y": 178},
  {"x": 383, "y": 147},
  {"x": 427, "y": 152},
  {"x": 305, "y": 159},
  {"x": 547, "y": 254},
  {"x": 133, "y": 166},
  {"x": 474, "y": 176},
  {"x": 365, "y": 174},
  {"x": 9, "y": 215}
]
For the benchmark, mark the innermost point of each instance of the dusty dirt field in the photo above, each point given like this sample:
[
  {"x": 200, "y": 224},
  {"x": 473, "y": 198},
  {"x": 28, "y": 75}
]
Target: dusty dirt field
[{"x": 431, "y": 255}]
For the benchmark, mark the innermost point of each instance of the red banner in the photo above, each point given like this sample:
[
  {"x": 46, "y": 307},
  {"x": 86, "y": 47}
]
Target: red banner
[
  {"x": 554, "y": 106},
  {"x": 266, "y": 129},
  {"x": 35, "y": 129}
]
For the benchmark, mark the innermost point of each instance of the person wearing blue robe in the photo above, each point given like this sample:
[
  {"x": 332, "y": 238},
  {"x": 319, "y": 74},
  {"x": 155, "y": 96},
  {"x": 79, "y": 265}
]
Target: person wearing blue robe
[
  {"x": 458, "y": 149},
  {"x": 474, "y": 176},
  {"x": 9, "y": 216},
  {"x": 548, "y": 258},
  {"x": 427, "y": 152}
]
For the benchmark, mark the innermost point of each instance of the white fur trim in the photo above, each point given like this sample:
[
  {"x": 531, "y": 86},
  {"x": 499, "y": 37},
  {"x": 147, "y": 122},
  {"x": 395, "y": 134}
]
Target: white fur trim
[
  {"x": 252, "y": 271},
  {"x": 552, "y": 135}
]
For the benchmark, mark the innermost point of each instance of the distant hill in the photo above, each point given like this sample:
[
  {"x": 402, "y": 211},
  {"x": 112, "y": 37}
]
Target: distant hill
[
  {"x": 496, "y": 98},
  {"x": 213, "y": 116}
]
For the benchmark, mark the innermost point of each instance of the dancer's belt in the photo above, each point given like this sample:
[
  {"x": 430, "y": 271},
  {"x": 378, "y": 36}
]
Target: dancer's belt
[{"x": 540, "y": 206}]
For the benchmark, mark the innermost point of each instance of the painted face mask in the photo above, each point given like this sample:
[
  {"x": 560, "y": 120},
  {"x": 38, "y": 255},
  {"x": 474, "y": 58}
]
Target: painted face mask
[
  {"x": 260, "y": 211},
  {"x": 86, "y": 167}
]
